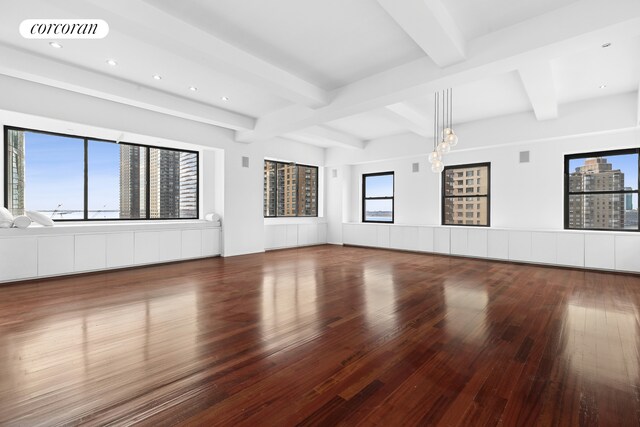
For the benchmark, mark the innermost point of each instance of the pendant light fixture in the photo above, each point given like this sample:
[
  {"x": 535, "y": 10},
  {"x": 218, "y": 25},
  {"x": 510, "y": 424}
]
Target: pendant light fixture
[{"x": 442, "y": 119}]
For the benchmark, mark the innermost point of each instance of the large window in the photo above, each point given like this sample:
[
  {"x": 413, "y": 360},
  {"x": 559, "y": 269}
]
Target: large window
[
  {"x": 77, "y": 178},
  {"x": 290, "y": 189},
  {"x": 466, "y": 195},
  {"x": 601, "y": 190},
  {"x": 377, "y": 197}
]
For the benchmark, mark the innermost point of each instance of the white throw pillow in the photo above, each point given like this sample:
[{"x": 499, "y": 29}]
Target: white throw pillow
[
  {"x": 21, "y": 221},
  {"x": 40, "y": 218},
  {"x": 5, "y": 224},
  {"x": 5, "y": 215}
]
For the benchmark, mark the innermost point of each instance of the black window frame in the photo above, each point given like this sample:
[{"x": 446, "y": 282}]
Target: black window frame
[
  {"x": 86, "y": 140},
  {"x": 364, "y": 198},
  {"x": 443, "y": 195},
  {"x": 568, "y": 193},
  {"x": 297, "y": 215}
]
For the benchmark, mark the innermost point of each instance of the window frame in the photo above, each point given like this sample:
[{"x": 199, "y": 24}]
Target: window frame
[
  {"x": 86, "y": 140},
  {"x": 443, "y": 195},
  {"x": 568, "y": 193},
  {"x": 297, "y": 215},
  {"x": 364, "y": 198}
]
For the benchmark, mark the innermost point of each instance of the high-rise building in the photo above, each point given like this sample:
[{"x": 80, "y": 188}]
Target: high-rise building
[
  {"x": 188, "y": 185},
  {"x": 133, "y": 178},
  {"x": 287, "y": 182},
  {"x": 290, "y": 189},
  {"x": 173, "y": 183},
  {"x": 596, "y": 210},
  {"x": 270, "y": 188},
  {"x": 164, "y": 188},
  {"x": 16, "y": 172},
  {"x": 466, "y": 208},
  {"x": 628, "y": 200},
  {"x": 307, "y": 181}
]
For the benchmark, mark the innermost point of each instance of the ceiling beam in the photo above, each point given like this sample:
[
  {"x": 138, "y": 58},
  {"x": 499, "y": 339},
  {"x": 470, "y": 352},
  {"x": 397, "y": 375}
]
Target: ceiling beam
[
  {"x": 145, "y": 22},
  {"x": 540, "y": 87},
  {"x": 430, "y": 25},
  {"x": 26, "y": 66},
  {"x": 326, "y": 136},
  {"x": 410, "y": 118},
  {"x": 578, "y": 26}
]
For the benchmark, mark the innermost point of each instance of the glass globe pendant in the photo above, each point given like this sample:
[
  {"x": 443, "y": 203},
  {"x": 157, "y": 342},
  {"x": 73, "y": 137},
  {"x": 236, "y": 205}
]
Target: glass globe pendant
[
  {"x": 451, "y": 139},
  {"x": 434, "y": 155},
  {"x": 444, "y": 147},
  {"x": 437, "y": 166}
]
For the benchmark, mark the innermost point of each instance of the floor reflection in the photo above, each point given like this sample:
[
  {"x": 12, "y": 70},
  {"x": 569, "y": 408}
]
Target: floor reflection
[
  {"x": 379, "y": 295},
  {"x": 601, "y": 344},
  {"x": 466, "y": 312},
  {"x": 81, "y": 348},
  {"x": 289, "y": 302}
]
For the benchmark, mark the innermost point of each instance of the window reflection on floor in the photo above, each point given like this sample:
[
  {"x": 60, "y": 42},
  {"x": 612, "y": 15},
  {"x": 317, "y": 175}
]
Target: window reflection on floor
[
  {"x": 379, "y": 295},
  {"x": 466, "y": 317},
  {"x": 117, "y": 338},
  {"x": 587, "y": 328},
  {"x": 289, "y": 302}
]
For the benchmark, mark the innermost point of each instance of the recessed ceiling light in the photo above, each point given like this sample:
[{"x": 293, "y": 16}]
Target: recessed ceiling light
[
  {"x": 606, "y": 45},
  {"x": 55, "y": 44},
  {"x": 193, "y": 88},
  {"x": 157, "y": 76},
  {"x": 112, "y": 62},
  {"x": 603, "y": 86},
  {"x": 225, "y": 98}
]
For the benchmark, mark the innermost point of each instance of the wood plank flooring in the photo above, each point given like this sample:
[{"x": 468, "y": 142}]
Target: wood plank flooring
[{"x": 323, "y": 336}]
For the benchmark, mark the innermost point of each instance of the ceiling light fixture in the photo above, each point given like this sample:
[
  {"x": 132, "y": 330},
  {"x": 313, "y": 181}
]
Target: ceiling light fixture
[
  {"x": 193, "y": 88},
  {"x": 445, "y": 132},
  {"x": 112, "y": 62},
  {"x": 606, "y": 45},
  {"x": 55, "y": 44},
  {"x": 603, "y": 86},
  {"x": 157, "y": 77},
  {"x": 225, "y": 98}
]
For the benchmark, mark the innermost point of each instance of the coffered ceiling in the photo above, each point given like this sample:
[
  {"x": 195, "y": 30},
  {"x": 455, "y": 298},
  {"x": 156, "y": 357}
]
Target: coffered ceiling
[{"x": 334, "y": 72}]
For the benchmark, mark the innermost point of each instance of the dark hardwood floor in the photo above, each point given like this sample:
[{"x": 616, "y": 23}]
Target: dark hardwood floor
[{"x": 323, "y": 336}]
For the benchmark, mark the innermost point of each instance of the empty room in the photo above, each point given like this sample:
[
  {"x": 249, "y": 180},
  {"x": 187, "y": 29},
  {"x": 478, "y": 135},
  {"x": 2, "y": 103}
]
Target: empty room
[{"x": 320, "y": 212}]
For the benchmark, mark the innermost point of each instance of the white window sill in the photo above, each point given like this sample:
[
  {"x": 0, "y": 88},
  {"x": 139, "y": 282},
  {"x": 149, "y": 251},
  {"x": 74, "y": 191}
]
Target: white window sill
[{"x": 78, "y": 227}]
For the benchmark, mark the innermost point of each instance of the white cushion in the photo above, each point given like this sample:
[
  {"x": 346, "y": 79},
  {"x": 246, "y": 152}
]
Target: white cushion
[
  {"x": 40, "y": 218},
  {"x": 21, "y": 221},
  {"x": 5, "y": 224},
  {"x": 5, "y": 215}
]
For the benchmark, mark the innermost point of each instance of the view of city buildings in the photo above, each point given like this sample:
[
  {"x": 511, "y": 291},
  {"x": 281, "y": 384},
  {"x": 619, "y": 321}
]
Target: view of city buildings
[
  {"x": 289, "y": 189},
  {"x": 604, "y": 211},
  {"x": 173, "y": 183},
  {"x": 16, "y": 172},
  {"x": 464, "y": 190},
  {"x": 133, "y": 197},
  {"x": 173, "y": 178}
]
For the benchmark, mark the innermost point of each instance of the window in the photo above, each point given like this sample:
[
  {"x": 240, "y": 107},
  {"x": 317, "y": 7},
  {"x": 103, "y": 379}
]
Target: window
[
  {"x": 377, "y": 197},
  {"x": 78, "y": 178},
  {"x": 290, "y": 190},
  {"x": 601, "y": 190},
  {"x": 476, "y": 212}
]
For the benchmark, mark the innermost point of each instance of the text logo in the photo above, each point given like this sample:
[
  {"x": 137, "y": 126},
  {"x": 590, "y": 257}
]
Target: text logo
[{"x": 64, "y": 29}]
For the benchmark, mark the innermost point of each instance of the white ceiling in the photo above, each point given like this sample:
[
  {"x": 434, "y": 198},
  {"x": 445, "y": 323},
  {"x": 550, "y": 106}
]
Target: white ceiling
[{"x": 335, "y": 72}]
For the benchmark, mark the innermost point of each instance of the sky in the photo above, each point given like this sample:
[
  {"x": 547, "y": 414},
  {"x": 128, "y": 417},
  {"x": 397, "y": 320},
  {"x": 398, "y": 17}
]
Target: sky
[
  {"x": 379, "y": 186},
  {"x": 55, "y": 173},
  {"x": 627, "y": 163}
]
